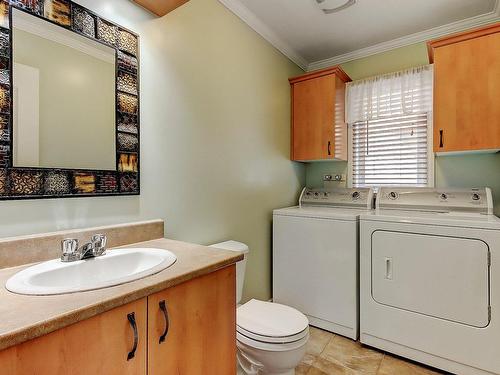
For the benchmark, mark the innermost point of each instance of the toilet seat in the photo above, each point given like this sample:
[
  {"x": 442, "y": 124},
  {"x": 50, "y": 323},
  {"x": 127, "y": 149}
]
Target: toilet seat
[
  {"x": 271, "y": 326},
  {"x": 271, "y": 339}
]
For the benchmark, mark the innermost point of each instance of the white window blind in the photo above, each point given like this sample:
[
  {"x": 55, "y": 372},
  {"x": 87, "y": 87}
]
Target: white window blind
[{"x": 390, "y": 117}]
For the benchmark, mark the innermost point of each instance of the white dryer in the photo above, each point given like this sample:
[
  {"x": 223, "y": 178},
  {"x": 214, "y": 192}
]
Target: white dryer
[
  {"x": 316, "y": 254},
  {"x": 430, "y": 278}
]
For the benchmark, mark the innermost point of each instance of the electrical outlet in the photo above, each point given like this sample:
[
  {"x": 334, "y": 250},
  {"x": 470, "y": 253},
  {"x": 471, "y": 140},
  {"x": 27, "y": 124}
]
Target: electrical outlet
[{"x": 335, "y": 181}]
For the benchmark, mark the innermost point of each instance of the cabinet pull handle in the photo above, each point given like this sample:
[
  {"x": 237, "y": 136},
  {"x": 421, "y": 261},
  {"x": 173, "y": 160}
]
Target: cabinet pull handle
[
  {"x": 133, "y": 324},
  {"x": 329, "y": 148},
  {"x": 441, "y": 143},
  {"x": 163, "y": 308}
]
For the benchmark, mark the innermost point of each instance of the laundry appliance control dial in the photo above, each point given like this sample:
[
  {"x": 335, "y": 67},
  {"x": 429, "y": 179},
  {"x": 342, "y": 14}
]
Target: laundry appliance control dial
[{"x": 393, "y": 195}]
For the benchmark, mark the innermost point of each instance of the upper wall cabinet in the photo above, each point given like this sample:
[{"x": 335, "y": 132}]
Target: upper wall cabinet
[
  {"x": 319, "y": 131},
  {"x": 467, "y": 90},
  {"x": 160, "y": 7}
]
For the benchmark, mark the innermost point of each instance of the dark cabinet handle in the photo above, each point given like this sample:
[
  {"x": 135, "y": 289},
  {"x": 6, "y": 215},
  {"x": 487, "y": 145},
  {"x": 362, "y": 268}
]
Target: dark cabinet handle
[
  {"x": 329, "y": 148},
  {"x": 441, "y": 143},
  {"x": 163, "y": 307},
  {"x": 133, "y": 324}
]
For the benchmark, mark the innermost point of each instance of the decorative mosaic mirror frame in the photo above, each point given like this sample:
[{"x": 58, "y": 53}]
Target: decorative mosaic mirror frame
[{"x": 40, "y": 183}]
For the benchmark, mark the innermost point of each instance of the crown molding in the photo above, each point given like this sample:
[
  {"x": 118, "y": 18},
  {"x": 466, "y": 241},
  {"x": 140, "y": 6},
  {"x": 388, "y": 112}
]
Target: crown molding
[
  {"x": 423, "y": 36},
  {"x": 268, "y": 34},
  {"x": 263, "y": 30},
  {"x": 337, "y": 70},
  {"x": 33, "y": 25}
]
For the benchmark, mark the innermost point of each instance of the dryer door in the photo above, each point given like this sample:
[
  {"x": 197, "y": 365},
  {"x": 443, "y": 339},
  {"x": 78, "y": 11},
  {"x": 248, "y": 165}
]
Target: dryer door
[{"x": 443, "y": 277}]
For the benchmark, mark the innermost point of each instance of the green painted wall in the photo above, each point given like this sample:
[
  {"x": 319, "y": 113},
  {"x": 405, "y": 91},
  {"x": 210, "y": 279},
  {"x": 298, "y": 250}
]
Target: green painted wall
[
  {"x": 450, "y": 171},
  {"x": 387, "y": 62},
  {"x": 215, "y": 137}
]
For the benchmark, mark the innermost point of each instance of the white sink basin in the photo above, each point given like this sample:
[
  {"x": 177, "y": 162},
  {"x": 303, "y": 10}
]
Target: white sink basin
[{"x": 116, "y": 267}]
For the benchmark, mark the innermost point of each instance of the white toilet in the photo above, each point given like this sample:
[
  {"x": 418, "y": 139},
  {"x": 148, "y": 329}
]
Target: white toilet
[{"x": 271, "y": 338}]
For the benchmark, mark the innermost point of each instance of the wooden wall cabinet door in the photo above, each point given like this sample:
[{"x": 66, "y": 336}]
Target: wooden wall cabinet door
[
  {"x": 99, "y": 345},
  {"x": 319, "y": 131},
  {"x": 192, "y": 327},
  {"x": 467, "y": 90}
]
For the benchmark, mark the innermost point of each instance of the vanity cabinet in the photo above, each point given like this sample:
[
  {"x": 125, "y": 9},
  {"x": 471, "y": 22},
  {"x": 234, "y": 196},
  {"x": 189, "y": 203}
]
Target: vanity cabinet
[
  {"x": 192, "y": 327},
  {"x": 467, "y": 90},
  {"x": 319, "y": 131},
  {"x": 183, "y": 330},
  {"x": 103, "y": 344}
]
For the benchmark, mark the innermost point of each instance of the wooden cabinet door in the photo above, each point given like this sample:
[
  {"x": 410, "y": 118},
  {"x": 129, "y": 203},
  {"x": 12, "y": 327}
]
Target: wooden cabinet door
[
  {"x": 199, "y": 327},
  {"x": 313, "y": 118},
  {"x": 99, "y": 345},
  {"x": 467, "y": 95}
]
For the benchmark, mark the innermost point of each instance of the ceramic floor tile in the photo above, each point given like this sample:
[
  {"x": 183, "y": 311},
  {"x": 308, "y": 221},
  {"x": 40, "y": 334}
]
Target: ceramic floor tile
[
  {"x": 394, "y": 366},
  {"x": 318, "y": 339},
  {"x": 302, "y": 369},
  {"x": 353, "y": 355},
  {"x": 309, "y": 359},
  {"x": 322, "y": 366}
]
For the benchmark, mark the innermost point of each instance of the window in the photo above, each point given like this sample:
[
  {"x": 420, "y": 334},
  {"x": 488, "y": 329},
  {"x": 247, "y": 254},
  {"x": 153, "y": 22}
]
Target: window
[{"x": 390, "y": 120}]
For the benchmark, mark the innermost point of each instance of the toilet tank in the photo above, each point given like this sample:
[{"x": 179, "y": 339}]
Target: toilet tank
[{"x": 240, "y": 266}]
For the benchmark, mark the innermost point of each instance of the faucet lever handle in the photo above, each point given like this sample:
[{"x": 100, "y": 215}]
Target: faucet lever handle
[
  {"x": 99, "y": 242},
  {"x": 69, "y": 246}
]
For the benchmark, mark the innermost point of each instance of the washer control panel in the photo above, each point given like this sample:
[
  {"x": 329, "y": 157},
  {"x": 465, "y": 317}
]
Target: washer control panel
[
  {"x": 441, "y": 200},
  {"x": 355, "y": 197}
]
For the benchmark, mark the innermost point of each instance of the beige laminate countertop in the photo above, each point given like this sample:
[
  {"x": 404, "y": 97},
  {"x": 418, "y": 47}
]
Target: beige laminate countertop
[{"x": 23, "y": 318}]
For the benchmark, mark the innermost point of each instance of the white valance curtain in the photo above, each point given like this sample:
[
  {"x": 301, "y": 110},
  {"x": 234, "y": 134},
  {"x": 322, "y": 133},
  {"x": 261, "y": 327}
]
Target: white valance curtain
[{"x": 401, "y": 93}]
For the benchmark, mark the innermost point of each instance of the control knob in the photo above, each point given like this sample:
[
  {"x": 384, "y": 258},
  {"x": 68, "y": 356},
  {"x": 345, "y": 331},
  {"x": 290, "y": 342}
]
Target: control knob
[
  {"x": 476, "y": 196},
  {"x": 355, "y": 195},
  {"x": 393, "y": 195}
]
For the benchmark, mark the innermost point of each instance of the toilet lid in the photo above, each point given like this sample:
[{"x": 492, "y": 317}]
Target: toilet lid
[{"x": 270, "y": 319}]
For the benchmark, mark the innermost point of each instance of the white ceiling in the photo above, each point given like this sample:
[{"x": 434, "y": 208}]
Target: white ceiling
[{"x": 312, "y": 39}]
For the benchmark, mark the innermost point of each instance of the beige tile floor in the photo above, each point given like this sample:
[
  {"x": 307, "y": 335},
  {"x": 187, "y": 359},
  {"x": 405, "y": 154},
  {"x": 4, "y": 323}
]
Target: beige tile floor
[{"x": 329, "y": 354}]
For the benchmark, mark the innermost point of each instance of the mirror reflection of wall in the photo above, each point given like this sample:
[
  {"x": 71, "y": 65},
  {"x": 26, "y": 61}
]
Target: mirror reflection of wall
[{"x": 64, "y": 97}]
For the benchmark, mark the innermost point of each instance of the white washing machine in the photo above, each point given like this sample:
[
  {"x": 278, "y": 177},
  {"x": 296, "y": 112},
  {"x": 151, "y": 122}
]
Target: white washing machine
[
  {"x": 430, "y": 278},
  {"x": 315, "y": 257}
]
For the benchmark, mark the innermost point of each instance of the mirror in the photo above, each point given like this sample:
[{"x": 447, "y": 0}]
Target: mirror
[
  {"x": 69, "y": 102},
  {"x": 64, "y": 97}
]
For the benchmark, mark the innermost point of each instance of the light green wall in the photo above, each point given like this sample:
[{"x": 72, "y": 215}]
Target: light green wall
[
  {"x": 76, "y": 103},
  {"x": 387, "y": 62},
  {"x": 450, "y": 171},
  {"x": 215, "y": 136}
]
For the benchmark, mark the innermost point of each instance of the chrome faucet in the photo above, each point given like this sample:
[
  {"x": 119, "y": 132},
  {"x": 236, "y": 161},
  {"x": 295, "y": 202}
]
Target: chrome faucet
[{"x": 95, "y": 248}]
